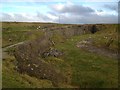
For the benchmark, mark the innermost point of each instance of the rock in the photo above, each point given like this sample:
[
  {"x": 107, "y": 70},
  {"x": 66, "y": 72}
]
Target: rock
[
  {"x": 93, "y": 29},
  {"x": 35, "y": 65},
  {"x": 10, "y": 40},
  {"x": 31, "y": 68},
  {"x": 39, "y": 27},
  {"x": 52, "y": 52},
  {"x": 85, "y": 43},
  {"x": 110, "y": 41},
  {"x": 28, "y": 65}
]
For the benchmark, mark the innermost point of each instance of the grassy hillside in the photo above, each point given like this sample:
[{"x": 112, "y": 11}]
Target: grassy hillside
[
  {"x": 81, "y": 67},
  {"x": 89, "y": 69}
]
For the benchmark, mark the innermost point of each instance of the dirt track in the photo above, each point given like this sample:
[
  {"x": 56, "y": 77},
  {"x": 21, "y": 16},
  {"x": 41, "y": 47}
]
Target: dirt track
[{"x": 4, "y": 53}]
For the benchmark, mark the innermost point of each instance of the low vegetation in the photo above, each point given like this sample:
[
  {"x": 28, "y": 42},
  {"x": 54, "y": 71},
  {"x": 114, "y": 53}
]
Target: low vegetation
[{"x": 76, "y": 67}]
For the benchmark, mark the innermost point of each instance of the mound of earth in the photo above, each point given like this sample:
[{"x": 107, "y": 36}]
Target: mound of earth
[{"x": 29, "y": 61}]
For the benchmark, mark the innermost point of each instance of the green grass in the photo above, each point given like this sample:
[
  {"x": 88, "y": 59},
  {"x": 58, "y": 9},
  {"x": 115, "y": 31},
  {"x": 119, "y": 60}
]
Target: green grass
[
  {"x": 89, "y": 70},
  {"x": 12, "y": 79},
  {"x": 82, "y": 68},
  {"x": 15, "y": 36},
  {"x": 19, "y": 32},
  {"x": 103, "y": 36}
]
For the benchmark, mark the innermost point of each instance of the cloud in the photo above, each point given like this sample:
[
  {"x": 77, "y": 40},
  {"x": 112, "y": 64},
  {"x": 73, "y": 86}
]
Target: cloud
[
  {"x": 24, "y": 17},
  {"x": 90, "y": 19},
  {"x": 100, "y": 19},
  {"x": 32, "y": 0},
  {"x": 59, "y": 0},
  {"x": 100, "y": 10},
  {"x": 65, "y": 13},
  {"x": 71, "y": 9},
  {"x": 72, "y": 13},
  {"x": 42, "y": 17},
  {"x": 6, "y": 17},
  {"x": 112, "y": 7}
]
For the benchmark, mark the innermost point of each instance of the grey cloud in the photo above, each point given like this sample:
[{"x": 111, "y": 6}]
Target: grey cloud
[
  {"x": 111, "y": 7},
  {"x": 80, "y": 14},
  {"x": 22, "y": 18},
  {"x": 100, "y": 10},
  {"x": 100, "y": 19},
  {"x": 69, "y": 19},
  {"x": 19, "y": 17},
  {"x": 74, "y": 9},
  {"x": 14, "y": 17},
  {"x": 6, "y": 17},
  {"x": 53, "y": 13},
  {"x": 68, "y": 14},
  {"x": 43, "y": 17},
  {"x": 72, "y": 19},
  {"x": 90, "y": 19}
]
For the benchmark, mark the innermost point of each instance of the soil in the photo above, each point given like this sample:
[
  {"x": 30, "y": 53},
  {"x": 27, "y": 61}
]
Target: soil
[
  {"x": 29, "y": 61},
  {"x": 87, "y": 45}
]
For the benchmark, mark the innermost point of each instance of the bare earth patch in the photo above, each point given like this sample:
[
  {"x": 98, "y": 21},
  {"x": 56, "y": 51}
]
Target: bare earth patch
[{"x": 87, "y": 45}]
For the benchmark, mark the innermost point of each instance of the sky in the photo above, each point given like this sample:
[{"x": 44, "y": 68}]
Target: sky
[{"x": 60, "y": 11}]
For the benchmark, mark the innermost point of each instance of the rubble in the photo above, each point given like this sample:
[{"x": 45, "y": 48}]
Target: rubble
[
  {"x": 52, "y": 52},
  {"x": 29, "y": 61}
]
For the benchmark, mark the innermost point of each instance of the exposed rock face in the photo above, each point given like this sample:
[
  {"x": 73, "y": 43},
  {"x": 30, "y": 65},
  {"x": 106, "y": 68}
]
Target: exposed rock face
[
  {"x": 93, "y": 29},
  {"x": 30, "y": 62},
  {"x": 110, "y": 41},
  {"x": 71, "y": 30}
]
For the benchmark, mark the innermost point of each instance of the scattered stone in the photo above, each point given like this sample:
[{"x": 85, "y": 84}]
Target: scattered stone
[
  {"x": 44, "y": 74},
  {"x": 28, "y": 65},
  {"x": 39, "y": 27},
  {"x": 16, "y": 67},
  {"x": 35, "y": 65},
  {"x": 52, "y": 52},
  {"x": 90, "y": 37},
  {"x": 10, "y": 40},
  {"x": 32, "y": 69},
  {"x": 85, "y": 43},
  {"x": 105, "y": 37}
]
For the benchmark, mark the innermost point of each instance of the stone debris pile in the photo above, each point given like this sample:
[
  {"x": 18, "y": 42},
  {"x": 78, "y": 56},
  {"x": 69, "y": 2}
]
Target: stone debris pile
[{"x": 52, "y": 52}]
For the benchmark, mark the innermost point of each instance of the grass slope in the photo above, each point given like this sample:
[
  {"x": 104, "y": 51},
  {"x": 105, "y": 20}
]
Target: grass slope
[
  {"x": 89, "y": 70},
  {"x": 82, "y": 69}
]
